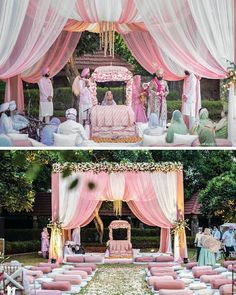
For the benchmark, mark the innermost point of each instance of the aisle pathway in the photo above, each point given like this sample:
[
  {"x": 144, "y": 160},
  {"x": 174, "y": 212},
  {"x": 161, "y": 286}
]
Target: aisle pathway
[{"x": 118, "y": 279}]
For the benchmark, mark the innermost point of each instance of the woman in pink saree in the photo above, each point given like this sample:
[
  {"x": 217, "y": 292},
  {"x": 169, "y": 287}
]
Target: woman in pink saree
[
  {"x": 45, "y": 242},
  {"x": 138, "y": 107}
]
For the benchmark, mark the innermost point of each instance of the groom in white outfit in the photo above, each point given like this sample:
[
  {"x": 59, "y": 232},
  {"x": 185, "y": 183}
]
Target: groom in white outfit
[{"x": 189, "y": 99}]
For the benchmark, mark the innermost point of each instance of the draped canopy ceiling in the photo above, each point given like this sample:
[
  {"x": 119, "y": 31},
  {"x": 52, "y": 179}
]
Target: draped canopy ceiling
[
  {"x": 154, "y": 193},
  {"x": 176, "y": 35}
]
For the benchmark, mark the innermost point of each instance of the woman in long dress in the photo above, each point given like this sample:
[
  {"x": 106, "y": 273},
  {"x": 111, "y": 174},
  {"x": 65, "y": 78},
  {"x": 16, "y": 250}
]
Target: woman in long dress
[
  {"x": 45, "y": 242},
  {"x": 210, "y": 246},
  {"x": 137, "y": 105},
  {"x": 177, "y": 126}
]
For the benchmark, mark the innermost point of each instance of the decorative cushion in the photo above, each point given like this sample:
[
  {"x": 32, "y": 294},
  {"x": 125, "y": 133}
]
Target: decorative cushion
[
  {"x": 153, "y": 279},
  {"x": 209, "y": 278},
  {"x": 87, "y": 269},
  {"x": 93, "y": 259},
  {"x": 220, "y": 269},
  {"x": 227, "y": 289},
  {"x": 190, "y": 265},
  {"x": 228, "y": 262},
  {"x": 92, "y": 265},
  {"x": 44, "y": 269},
  {"x": 81, "y": 273},
  {"x": 205, "y": 292},
  {"x": 73, "y": 279},
  {"x": 65, "y": 140},
  {"x": 175, "y": 292},
  {"x": 176, "y": 285},
  {"x": 149, "y": 140},
  {"x": 185, "y": 275},
  {"x": 160, "y": 264},
  {"x": 162, "y": 274},
  {"x": 216, "y": 284},
  {"x": 227, "y": 274},
  {"x": 164, "y": 258},
  {"x": 160, "y": 269},
  {"x": 75, "y": 259},
  {"x": 187, "y": 281},
  {"x": 45, "y": 292},
  {"x": 145, "y": 259},
  {"x": 186, "y": 140},
  {"x": 60, "y": 285},
  {"x": 197, "y": 286},
  {"x": 18, "y": 136}
]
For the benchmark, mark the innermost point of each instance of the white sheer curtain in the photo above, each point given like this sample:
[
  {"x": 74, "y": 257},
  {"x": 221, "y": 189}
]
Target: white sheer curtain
[
  {"x": 10, "y": 10},
  {"x": 117, "y": 185},
  {"x": 165, "y": 186},
  {"x": 41, "y": 26},
  {"x": 176, "y": 31},
  {"x": 232, "y": 115}
]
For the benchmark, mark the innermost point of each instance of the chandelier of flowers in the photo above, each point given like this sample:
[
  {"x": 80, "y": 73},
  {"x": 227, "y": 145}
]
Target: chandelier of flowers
[
  {"x": 230, "y": 78},
  {"x": 107, "y": 37}
]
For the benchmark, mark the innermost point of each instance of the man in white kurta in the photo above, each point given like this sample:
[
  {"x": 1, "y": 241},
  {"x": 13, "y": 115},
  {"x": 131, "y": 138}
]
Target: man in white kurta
[
  {"x": 46, "y": 96},
  {"x": 85, "y": 93},
  {"x": 70, "y": 126},
  {"x": 190, "y": 99},
  {"x": 6, "y": 124},
  {"x": 19, "y": 121}
]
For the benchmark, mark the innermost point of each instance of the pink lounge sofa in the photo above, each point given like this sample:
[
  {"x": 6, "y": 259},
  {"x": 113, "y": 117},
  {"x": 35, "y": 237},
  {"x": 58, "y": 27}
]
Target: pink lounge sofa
[
  {"x": 164, "y": 258},
  {"x": 81, "y": 273},
  {"x": 73, "y": 279},
  {"x": 93, "y": 259},
  {"x": 175, "y": 292},
  {"x": 84, "y": 268},
  {"x": 75, "y": 259},
  {"x": 145, "y": 259},
  {"x": 227, "y": 290},
  {"x": 59, "y": 285},
  {"x": 85, "y": 264},
  {"x": 216, "y": 284},
  {"x": 170, "y": 285},
  {"x": 151, "y": 280},
  {"x": 198, "y": 273}
]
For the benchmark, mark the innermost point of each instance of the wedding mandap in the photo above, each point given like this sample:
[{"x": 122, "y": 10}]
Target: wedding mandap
[{"x": 153, "y": 192}]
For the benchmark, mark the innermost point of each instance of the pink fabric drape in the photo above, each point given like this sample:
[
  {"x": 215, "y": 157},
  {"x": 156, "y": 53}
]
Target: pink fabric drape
[
  {"x": 165, "y": 241},
  {"x": 88, "y": 200},
  {"x": 55, "y": 196},
  {"x": 147, "y": 53},
  {"x": 56, "y": 58}
]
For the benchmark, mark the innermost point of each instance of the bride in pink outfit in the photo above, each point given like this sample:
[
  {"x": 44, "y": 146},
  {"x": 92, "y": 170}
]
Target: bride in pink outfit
[{"x": 138, "y": 107}]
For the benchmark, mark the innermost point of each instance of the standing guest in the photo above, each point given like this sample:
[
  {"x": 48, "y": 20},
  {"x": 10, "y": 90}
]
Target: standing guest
[
  {"x": 19, "y": 122},
  {"x": 45, "y": 242},
  {"x": 70, "y": 126},
  {"x": 216, "y": 233},
  {"x": 158, "y": 91},
  {"x": 177, "y": 126},
  {"x": 197, "y": 241},
  {"x": 46, "y": 96},
  {"x": 228, "y": 239},
  {"x": 189, "y": 99},
  {"x": 210, "y": 246},
  {"x": 137, "y": 104},
  {"x": 108, "y": 99},
  {"x": 85, "y": 93},
  {"x": 6, "y": 125},
  {"x": 47, "y": 137}
]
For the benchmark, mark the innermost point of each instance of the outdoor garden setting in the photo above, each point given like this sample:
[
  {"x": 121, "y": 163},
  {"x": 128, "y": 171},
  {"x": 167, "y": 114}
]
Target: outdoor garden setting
[{"x": 117, "y": 253}]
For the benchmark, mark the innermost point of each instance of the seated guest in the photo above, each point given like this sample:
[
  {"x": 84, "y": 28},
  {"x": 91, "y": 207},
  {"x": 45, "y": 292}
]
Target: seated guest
[
  {"x": 222, "y": 127},
  {"x": 70, "y": 126},
  {"x": 68, "y": 248},
  {"x": 19, "y": 121},
  {"x": 5, "y": 141},
  {"x": 207, "y": 137},
  {"x": 108, "y": 99},
  {"x": 177, "y": 126},
  {"x": 204, "y": 122},
  {"x": 209, "y": 246},
  {"x": 154, "y": 129},
  {"x": 47, "y": 132},
  {"x": 6, "y": 125}
]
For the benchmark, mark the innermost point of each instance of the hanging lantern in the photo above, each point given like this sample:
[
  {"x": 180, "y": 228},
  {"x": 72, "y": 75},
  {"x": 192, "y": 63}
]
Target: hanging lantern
[{"x": 107, "y": 37}]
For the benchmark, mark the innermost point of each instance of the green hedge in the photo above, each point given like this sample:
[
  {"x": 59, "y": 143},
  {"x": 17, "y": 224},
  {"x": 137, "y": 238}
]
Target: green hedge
[
  {"x": 22, "y": 234},
  {"x": 22, "y": 247}
]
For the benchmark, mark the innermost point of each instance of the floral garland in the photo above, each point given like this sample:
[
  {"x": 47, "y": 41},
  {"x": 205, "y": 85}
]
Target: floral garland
[
  {"x": 230, "y": 77},
  {"x": 55, "y": 226},
  {"x": 110, "y": 167},
  {"x": 180, "y": 225}
]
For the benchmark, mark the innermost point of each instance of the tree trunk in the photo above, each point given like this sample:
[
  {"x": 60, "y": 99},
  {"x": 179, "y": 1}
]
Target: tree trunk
[{"x": 71, "y": 73}]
